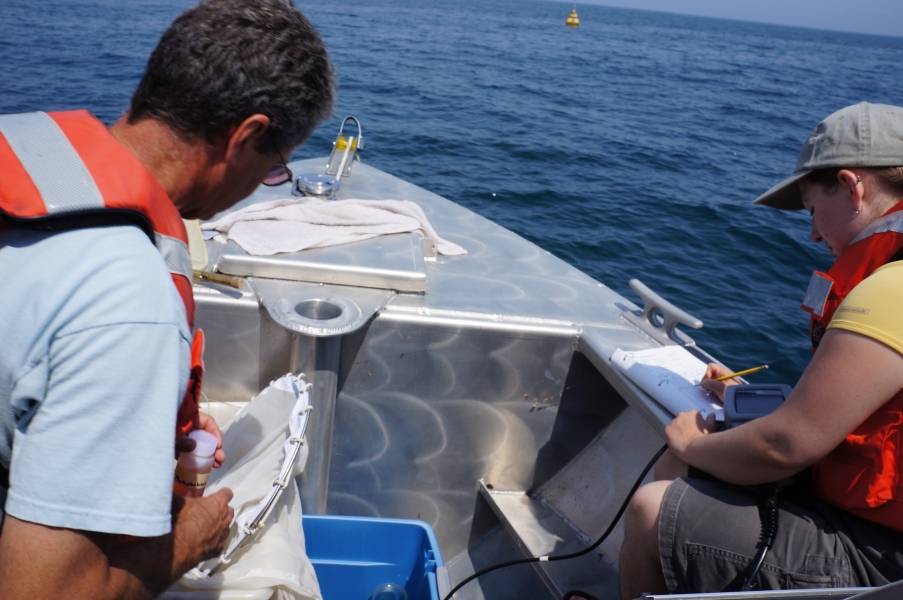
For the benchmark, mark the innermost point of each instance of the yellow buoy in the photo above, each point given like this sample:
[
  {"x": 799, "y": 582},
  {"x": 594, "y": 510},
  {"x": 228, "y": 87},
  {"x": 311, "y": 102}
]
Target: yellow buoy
[{"x": 573, "y": 21}]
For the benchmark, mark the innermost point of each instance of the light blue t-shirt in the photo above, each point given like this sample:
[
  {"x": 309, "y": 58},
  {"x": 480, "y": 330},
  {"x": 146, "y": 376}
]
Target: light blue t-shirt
[{"x": 94, "y": 357}]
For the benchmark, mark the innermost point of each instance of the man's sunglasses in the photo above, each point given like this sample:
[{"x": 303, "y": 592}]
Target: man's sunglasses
[{"x": 279, "y": 174}]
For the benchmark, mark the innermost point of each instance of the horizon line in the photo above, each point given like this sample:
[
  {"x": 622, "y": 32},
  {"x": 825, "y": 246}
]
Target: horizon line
[{"x": 605, "y": 4}]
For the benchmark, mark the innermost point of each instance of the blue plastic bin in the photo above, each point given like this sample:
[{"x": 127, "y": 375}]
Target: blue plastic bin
[{"x": 353, "y": 555}]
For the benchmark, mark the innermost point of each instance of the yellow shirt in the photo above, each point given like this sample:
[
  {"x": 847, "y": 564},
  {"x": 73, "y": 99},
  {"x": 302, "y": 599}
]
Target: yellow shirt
[{"x": 875, "y": 307}]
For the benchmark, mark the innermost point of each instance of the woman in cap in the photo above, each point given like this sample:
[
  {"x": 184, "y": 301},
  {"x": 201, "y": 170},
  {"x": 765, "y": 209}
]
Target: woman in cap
[{"x": 844, "y": 418}]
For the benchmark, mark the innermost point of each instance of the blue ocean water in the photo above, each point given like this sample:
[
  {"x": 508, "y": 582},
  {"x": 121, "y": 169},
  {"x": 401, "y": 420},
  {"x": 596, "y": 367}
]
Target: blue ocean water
[{"x": 631, "y": 146}]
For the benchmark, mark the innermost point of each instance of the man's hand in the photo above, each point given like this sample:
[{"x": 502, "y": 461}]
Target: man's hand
[
  {"x": 685, "y": 428},
  {"x": 200, "y": 527},
  {"x": 38, "y": 562},
  {"x": 209, "y": 425},
  {"x": 717, "y": 387},
  {"x": 206, "y": 423}
]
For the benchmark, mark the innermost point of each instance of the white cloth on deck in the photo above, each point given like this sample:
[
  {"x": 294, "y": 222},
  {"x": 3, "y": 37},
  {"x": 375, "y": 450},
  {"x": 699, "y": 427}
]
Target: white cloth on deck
[{"x": 295, "y": 224}]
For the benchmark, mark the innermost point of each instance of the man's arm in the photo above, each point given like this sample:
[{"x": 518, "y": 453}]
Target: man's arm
[
  {"x": 849, "y": 378},
  {"x": 37, "y": 561}
]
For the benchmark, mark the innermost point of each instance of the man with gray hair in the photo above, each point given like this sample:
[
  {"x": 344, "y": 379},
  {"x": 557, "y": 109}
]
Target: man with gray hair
[{"x": 97, "y": 307}]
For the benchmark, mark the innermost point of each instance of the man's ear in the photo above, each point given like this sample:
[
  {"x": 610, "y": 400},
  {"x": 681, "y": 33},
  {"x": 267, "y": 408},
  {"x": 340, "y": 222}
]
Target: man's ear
[{"x": 246, "y": 137}]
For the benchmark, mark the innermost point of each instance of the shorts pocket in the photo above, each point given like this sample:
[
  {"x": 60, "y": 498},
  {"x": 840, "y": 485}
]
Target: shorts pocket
[
  {"x": 801, "y": 581},
  {"x": 837, "y": 568},
  {"x": 711, "y": 569}
]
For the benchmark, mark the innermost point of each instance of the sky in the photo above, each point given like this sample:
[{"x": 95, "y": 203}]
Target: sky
[{"x": 882, "y": 17}]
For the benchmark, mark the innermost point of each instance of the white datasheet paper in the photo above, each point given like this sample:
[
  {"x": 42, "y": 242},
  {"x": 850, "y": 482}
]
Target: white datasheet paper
[{"x": 669, "y": 374}]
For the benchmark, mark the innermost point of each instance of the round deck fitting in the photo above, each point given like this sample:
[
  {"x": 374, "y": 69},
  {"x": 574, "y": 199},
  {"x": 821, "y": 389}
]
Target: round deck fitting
[
  {"x": 320, "y": 186},
  {"x": 317, "y": 316}
]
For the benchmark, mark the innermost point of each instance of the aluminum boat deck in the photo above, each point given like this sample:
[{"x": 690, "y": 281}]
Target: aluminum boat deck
[{"x": 472, "y": 392}]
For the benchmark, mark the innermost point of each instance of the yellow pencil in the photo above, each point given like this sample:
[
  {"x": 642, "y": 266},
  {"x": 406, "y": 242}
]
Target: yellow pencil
[
  {"x": 741, "y": 373},
  {"x": 738, "y": 374}
]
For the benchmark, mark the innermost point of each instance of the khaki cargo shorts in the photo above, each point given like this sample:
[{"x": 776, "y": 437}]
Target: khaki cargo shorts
[{"x": 708, "y": 531}]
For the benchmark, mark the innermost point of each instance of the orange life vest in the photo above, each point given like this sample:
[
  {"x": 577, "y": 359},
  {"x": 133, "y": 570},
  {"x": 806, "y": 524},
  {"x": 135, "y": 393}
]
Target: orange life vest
[
  {"x": 65, "y": 171},
  {"x": 862, "y": 475}
]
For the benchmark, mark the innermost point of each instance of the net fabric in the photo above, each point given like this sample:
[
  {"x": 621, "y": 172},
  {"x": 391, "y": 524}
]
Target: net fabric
[{"x": 260, "y": 442}]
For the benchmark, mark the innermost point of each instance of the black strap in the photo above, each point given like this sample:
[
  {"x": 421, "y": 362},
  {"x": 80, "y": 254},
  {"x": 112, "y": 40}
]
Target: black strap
[
  {"x": 897, "y": 256},
  {"x": 83, "y": 219}
]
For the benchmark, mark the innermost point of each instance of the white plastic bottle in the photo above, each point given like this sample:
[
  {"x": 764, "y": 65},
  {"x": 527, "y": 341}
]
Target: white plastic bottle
[{"x": 193, "y": 468}]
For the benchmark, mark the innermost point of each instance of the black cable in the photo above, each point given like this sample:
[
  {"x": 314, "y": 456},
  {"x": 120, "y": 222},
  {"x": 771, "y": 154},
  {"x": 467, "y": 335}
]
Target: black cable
[
  {"x": 586, "y": 550},
  {"x": 768, "y": 518},
  {"x": 753, "y": 569}
]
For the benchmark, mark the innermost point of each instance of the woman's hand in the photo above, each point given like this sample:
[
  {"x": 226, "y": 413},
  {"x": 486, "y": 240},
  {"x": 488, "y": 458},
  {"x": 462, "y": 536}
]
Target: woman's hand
[
  {"x": 717, "y": 387},
  {"x": 685, "y": 428},
  {"x": 850, "y": 377}
]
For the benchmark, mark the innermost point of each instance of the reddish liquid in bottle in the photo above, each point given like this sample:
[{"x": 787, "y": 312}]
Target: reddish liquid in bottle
[{"x": 189, "y": 482}]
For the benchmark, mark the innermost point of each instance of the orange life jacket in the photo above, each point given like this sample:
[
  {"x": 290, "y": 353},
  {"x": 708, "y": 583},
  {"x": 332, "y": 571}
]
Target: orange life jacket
[
  {"x": 862, "y": 475},
  {"x": 65, "y": 171}
]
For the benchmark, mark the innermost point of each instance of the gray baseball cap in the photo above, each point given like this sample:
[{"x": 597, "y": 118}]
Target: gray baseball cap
[{"x": 862, "y": 135}]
